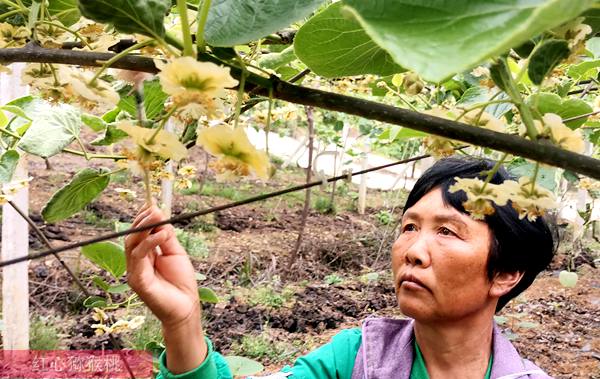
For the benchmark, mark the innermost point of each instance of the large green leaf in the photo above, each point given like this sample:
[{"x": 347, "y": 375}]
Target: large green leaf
[
  {"x": 108, "y": 256},
  {"x": 438, "y": 38},
  {"x": 544, "y": 102},
  {"x": 333, "y": 45},
  {"x": 8, "y": 164},
  {"x": 546, "y": 176},
  {"x": 129, "y": 16},
  {"x": 241, "y": 366},
  {"x": 112, "y": 134},
  {"x": 85, "y": 186},
  {"x": 66, "y": 11},
  {"x": 51, "y": 131},
  {"x": 236, "y": 22},
  {"x": 154, "y": 100}
]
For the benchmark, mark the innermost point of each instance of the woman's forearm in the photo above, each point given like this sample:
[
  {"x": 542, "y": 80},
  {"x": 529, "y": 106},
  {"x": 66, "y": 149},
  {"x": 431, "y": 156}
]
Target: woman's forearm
[{"x": 185, "y": 344}]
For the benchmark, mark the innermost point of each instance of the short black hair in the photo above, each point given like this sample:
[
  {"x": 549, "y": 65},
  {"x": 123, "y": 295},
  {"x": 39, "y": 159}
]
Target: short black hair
[{"x": 518, "y": 245}]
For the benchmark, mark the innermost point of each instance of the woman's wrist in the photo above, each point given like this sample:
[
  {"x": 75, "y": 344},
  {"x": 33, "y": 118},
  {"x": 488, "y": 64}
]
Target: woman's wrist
[{"x": 185, "y": 345}]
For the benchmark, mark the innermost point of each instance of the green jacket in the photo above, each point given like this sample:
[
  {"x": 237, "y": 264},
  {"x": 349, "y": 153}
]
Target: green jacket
[{"x": 334, "y": 360}]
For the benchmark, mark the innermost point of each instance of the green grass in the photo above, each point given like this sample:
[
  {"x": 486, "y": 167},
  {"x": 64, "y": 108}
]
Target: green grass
[
  {"x": 264, "y": 348},
  {"x": 44, "y": 335},
  {"x": 92, "y": 218},
  {"x": 270, "y": 297},
  {"x": 193, "y": 243}
]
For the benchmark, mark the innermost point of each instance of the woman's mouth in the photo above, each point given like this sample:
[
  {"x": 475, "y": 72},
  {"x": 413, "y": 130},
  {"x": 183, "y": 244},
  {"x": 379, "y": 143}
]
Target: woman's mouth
[{"x": 412, "y": 283}]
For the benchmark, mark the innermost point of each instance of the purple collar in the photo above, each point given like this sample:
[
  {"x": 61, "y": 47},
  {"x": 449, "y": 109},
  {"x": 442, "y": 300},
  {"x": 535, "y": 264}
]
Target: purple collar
[{"x": 387, "y": 352}]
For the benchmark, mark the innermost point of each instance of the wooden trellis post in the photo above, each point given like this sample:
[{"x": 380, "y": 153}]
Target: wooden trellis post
[
  {"x": 166, "y": 191},
  {"x": 15, "y": 239}
]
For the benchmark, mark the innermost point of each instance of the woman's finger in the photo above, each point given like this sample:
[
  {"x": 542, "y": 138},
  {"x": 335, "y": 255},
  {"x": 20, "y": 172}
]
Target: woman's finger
[{"x": 151, "y": 216}]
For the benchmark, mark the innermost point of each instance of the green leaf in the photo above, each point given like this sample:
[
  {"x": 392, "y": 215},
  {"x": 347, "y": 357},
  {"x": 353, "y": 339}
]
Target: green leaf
[
  {"x": 108, "y": 256},
  {"x": 241, "y": 366},
  {"x": 570, "y": 176},
  {"x": 129, "y": 16},
  {"x": 120, "y": 288},
  {"x": 546, "y": 175},
  {"x": 85, "y": 186},
  {"x": 154, "y": 100},
  {"x": 51, "y": 131},
  {"x": 111, "y": 116},
  {"x": 545, "y": 58},
  {"x": 66, "y": 11},
  {"x": 200, "y": 277},
  {"x": 544, "y": 102},
  {"x": 332, "y": 45},
  {"x": 593, "y": 46},
  {"x": 95, "y": 302},
  {"x": 592, "y": 18},
  {"x": 8, "y": 164},
  {"x": 237, "y": 22},
  {"x": 100, "y": 283},
  {"x": 93, "y": 122},
  {"x": 438, "y": 39},
  {"x": 112, "y": 134},
  {"x": 207, "y": 295},
  {"x": 474, "y": 95},
  {"x": 584, "y": 70}
]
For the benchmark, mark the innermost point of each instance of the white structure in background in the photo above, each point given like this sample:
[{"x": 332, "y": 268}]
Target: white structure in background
[
  {"x": 292, "y": 151},
  {"x": 15, "y": 240},
  {"x": 166, "y": 191}
]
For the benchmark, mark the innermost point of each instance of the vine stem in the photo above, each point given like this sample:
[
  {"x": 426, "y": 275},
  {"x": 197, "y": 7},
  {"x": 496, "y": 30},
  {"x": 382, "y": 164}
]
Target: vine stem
[
  {"x": 188, "y": 45},
  {"x": 116, "y": 57},
  {"x": 493, "y": 171},
  {"x": 240, "y": 95},
  {"x": 515, "y": 95},
  {"x": 202, "y": 17}
]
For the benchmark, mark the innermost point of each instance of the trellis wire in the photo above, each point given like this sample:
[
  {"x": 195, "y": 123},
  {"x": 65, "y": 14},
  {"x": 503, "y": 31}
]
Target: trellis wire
[{"x": 191, "y": 215}]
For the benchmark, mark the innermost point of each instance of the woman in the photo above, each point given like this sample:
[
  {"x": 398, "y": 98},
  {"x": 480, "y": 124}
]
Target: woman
[{"x": 451, "y": 274}]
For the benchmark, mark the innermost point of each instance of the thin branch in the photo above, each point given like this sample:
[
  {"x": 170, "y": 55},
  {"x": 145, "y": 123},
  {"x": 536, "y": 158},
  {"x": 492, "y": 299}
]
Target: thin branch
[{"x": 541, "y": 151}]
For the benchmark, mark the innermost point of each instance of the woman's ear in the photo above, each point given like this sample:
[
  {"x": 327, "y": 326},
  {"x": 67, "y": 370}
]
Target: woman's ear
[{"x": 503, "y": 282}]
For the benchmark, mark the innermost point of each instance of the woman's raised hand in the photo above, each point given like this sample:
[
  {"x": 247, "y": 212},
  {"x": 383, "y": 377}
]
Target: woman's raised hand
[{"x": 159, "y": 270}]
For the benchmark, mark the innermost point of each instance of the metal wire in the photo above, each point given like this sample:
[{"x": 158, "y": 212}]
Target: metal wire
[{"x": 188, "y": 216}]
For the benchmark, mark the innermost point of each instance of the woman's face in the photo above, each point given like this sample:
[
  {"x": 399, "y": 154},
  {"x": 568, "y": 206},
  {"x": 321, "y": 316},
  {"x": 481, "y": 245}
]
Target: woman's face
[{"x": 439, "y": 262}]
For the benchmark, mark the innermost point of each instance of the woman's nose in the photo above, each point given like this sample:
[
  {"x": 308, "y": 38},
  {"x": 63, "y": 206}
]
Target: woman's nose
[{"x": 417, "y": 253}]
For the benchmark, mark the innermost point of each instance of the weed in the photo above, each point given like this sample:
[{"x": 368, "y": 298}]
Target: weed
[
  {"x": 324, "y": 205},
  {"x": 121, "y": 177},
  {"x": 385, "y": 217},
  {"x": 193, "y": 190},
  {"x": 44, "y": 334},
  {"x": 270, "y": 297},
  {"x": 264, "y": 348},
  {"x": 193, "y": 243},
  {"x": 92, "y": 218},
  {"x": 333, "y": 279},
  {"x": 212, "y": 189}
]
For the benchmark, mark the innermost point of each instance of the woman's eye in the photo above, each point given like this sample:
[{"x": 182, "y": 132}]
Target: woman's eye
[
  {"x": 446, "y": 232},
  {"x": 408, "y": 228}
]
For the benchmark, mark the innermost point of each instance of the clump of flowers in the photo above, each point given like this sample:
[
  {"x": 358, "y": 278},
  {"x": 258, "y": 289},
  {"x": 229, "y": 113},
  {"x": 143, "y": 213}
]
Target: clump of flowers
[
  {"x": 528, "y": 200},
  {"x": 95, "y": 90},
  {"x": 237, "y": 156},
  {"x": 13, "y": 36},
  {"x": 117, "y": 327},
  {"x": 562, "y": 135},
  {"x": 480, "y": 196},
  {"x": 196, "y": 85}
]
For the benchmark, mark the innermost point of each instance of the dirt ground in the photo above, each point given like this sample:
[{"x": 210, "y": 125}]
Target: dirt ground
[{"x": 339, "y": 277}]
